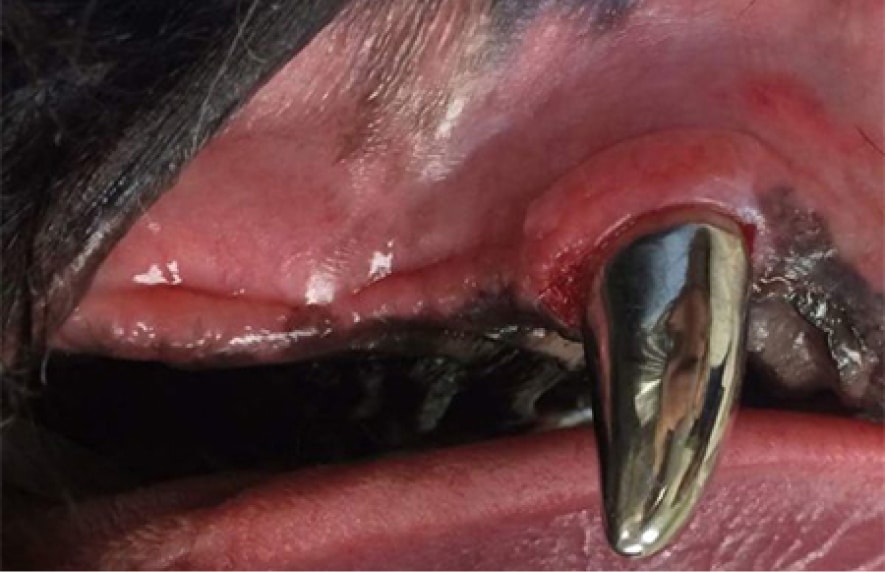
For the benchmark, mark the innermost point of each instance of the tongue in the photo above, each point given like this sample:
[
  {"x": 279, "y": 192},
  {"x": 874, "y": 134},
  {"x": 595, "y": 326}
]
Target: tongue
[{"x": 793, "y": 491}]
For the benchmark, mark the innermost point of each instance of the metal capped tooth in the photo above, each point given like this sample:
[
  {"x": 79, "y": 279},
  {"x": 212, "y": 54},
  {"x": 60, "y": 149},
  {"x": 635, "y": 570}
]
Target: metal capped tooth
[{"x": 665, "y": 329}]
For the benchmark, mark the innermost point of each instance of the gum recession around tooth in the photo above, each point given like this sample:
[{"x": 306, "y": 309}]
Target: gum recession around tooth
[
  {"x": 791, "y": 491},
  {"x": 690, "y": 171},
  {"x": 797, "y": 259}
]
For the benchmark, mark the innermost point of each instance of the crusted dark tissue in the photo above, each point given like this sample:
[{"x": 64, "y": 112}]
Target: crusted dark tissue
[{"x": 822, "y": 290}]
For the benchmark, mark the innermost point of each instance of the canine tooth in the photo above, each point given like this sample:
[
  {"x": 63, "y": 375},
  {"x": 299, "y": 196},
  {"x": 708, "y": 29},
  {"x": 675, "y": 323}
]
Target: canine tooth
[{"x": 665, "y": 330}]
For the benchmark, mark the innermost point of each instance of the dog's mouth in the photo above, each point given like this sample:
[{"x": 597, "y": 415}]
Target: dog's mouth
[{"x": 339, "y": 347}]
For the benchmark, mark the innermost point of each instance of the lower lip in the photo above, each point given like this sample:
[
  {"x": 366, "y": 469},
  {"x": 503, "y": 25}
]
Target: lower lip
[{"x": 792, "y": 491}]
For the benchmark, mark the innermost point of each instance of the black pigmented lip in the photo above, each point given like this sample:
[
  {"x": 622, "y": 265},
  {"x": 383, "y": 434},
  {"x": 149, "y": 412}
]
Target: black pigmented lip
[
  {"x": 160, "y": 422},
  {"x": 147, "y": 421}
]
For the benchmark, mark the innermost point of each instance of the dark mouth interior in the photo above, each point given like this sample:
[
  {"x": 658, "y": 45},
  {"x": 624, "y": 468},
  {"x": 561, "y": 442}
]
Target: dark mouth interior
[{"x": 143, "y": 422}]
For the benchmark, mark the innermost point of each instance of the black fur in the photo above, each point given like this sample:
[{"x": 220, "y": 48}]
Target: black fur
[{"x": 103, "y": 102}]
